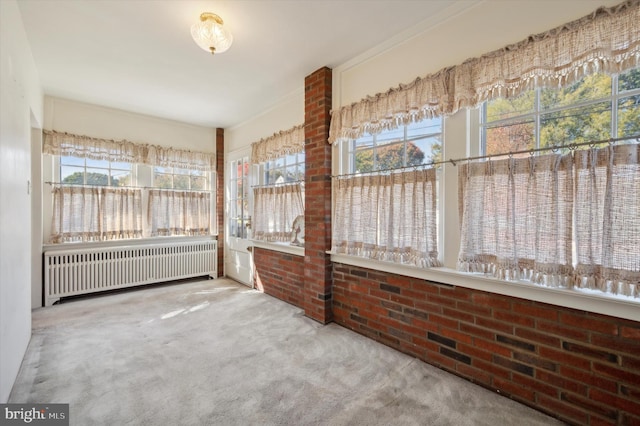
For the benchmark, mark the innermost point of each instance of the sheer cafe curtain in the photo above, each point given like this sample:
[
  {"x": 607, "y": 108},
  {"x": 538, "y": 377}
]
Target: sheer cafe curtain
[
  {"x": 517, "y": 218},
  {"x": 275, "y": 209},
  {"x": 172, "y": 212},
  {"x": 607, "y": 211},
  {"x": 388, "y": 217},
  {"x": 95, "y": 214}
]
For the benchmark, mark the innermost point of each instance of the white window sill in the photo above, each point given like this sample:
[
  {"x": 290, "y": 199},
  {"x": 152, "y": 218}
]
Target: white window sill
[
  {"x": 281, "y": 247},
  {"x": 127, "y": 243},
  {"x": 584, "y": 300}
]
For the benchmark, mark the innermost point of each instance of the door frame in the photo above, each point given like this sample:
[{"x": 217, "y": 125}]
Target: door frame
[{"x": 238, "y": 252}]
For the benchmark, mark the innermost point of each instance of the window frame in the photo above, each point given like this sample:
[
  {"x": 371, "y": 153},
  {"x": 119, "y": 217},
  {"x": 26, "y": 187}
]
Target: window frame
[
  {"x": 59, "y": 165},
  {"x": 344, "y": 160},
  {"x": 141, "y": 177},
  {"x": 349, "y": 166},
  {"x": 190, "y": 174},
  {"x": 539, "y": 112},
  {"x": 260, "y": 178}
]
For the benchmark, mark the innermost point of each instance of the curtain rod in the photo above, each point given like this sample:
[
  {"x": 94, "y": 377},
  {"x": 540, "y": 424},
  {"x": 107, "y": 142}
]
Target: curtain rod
[
  {"x": 82, "y": 185},
  {"x": 454, "y": 162}
]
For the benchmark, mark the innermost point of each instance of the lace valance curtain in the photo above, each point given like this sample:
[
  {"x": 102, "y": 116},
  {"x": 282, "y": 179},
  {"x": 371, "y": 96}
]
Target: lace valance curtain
[
  {"x": 607, "y": 40},
  {"x": 274, "y": 210},
  {"x": 95, "y": 214},
  {"x": 172, "y": 212},
  {"x": 57, "y": 143},
  {"x": 279, "y": 144},
  {"x": 389, "y": 217}
]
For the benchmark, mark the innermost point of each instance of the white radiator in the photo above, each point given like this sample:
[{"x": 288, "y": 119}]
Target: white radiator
[{"x": 74, "y": 272}]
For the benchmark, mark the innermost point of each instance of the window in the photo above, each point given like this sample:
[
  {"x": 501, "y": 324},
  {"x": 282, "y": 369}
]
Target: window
[
  {"x": 176, "y": 178},
  {"x": 414, "y": 144},
  {"x": 99, "y": 186},
  {"x": 84, "y": 211},
  {"x": 597, "y": 107},
  {"x": 239, "y": 216},
  {"x": 289, "y": 168},
  {"x": 278, "y": 194},
  {"x": 384, "y": 209},
  {"x": 279, "y": 198},
  {"x": 85, "y": 171},
  {"x": 561, "y": 219}
]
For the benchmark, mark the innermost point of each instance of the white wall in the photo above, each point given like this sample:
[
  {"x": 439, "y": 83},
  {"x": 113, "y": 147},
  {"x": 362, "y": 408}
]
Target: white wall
[
  {"x": 469, "y": 29},
  {"x": 101, "y": 122},
  {"x": 287, "y": 113},
  {"x": 20, "y": 108},
  {"x": 36, "y": 217}
]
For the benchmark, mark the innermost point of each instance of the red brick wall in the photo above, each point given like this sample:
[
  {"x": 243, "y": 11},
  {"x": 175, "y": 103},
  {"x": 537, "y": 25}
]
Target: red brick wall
[
  {"x": 220, "y": 197},
  {"x": 581, "y": 367},
  {"x": 280, "y": 275},
  {"x": 317, "y": 214}
]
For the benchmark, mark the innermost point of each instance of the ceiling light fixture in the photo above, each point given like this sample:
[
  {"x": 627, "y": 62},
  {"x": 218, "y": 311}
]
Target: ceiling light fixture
[{"x": 210, "y": 35}]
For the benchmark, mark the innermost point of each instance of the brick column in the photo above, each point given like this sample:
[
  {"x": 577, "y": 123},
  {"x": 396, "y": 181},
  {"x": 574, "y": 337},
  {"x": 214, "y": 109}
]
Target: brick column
[
  {"x": 220, "y": 197},
  {"x": 317, "y": 216}
]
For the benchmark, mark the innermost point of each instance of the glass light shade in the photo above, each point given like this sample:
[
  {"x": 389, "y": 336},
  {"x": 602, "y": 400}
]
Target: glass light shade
[{"x": 210, "y": 35}]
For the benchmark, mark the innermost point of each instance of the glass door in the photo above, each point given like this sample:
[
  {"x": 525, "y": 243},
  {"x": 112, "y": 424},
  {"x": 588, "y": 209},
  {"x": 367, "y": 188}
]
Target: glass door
[{"x": 238, "y": 257}]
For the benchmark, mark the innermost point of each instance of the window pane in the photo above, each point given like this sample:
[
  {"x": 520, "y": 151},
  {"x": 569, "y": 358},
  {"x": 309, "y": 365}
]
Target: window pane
[
  {"x": 390, "y": 136},
  {"x": 595, "y": 86},
  {"x": 72, "y": 175},
  {"x": 588, "y": 123},
  {"x": 246, "y": 166},
  {"x": 629, "y": 116},
  {"x": 629, "y": 80},
  {"x": 120, "y": 178},
  {"x": 364, "y": 142},
  {"x": 161, "y": 180},
  {"x": 233, "y": 227},
  {"x": 431, "y": 149},
  {"x": 180, "y": 182},
  {"x": 198, "y": 182},
  {"x": 424, "y": 127},
  {"x": 104, "y": 164},
  {"x": 291, "y": 173},
  {"x": 177, "y": 171},
  {"x": 121, "y": 166},
  {"x": 71, "y": 161},
  {"x": 500, "y": 109},
  {"x": 271, "y": 177},
  {"x": 234, "y": 170},
  {"x": 290, "y": 159},
  {"x": 514, "y": 136},
  {"x": 300, "y": 171},
  {"x": 391, "y": 156},
  {"x": 239, "y": 189},
  {"x": 364, "y": 160},
  {"x": 97, "y": 177},
  {"x": 158, "y": 169}
]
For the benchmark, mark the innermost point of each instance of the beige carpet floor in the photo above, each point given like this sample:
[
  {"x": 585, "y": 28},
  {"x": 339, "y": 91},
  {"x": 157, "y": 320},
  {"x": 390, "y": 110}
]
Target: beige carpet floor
[{"x": 218, "y": 353}]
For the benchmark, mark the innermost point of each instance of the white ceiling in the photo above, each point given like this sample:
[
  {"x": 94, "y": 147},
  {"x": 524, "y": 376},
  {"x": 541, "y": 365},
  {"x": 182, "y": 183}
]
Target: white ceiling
[{"x": 139, "y": 56}]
